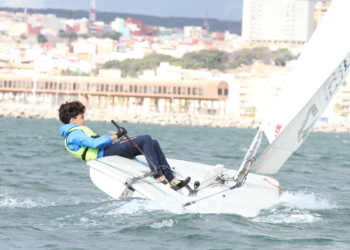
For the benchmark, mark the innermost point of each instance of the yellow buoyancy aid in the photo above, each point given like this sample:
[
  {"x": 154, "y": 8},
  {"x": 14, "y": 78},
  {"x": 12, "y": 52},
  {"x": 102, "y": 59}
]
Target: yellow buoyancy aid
[{"x": 84, "y": 153}]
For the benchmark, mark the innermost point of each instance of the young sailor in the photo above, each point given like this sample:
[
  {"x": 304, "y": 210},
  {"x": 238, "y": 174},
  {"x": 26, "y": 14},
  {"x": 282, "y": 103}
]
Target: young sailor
[{"x": 85, "y": 144}]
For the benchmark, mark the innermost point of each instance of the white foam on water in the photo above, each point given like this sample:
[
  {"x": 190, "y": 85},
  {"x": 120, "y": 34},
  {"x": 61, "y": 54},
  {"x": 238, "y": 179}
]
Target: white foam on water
[
  {"x": 296, "y": 207},
  {"x": 305, "y": 200},
  {"x": 137, "y": 207},
  {"x": 104, "y": 199},
  {"x": 6, "y": 201},
  {"x": 78, "y": 219},
  {"x": 164, "y": 223},
  {"x": 345, "y": 141},
  {"x": 121, "y": 209},
  {"x": 15, "y": 200},
  {"x": 287, "y": 216}
]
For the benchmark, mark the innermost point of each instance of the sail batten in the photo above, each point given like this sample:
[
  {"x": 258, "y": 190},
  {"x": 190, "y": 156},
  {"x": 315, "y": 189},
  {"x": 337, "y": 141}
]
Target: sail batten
[{"x": 319, "y": 73}]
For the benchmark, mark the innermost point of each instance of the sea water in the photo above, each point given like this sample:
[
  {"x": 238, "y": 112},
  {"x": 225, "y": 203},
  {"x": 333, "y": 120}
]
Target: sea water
[{"x": 47, "y": 200}]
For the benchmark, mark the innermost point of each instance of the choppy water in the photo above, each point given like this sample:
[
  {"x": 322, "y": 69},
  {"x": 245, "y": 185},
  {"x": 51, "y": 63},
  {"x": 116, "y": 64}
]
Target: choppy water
[{"x": 47, "y": 200}]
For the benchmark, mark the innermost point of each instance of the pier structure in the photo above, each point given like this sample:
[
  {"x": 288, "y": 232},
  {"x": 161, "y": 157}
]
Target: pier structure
[{"x": 123, "y": 94}]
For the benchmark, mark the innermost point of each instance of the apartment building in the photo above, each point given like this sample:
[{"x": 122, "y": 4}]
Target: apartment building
[
  {"x": 341, "y": 103},
  {"x": 321, "y": 8},
  {"x": 193, "y": 32},
  {"x": 258, "y": 87},
  {"x": 118, "y": 25},
  {"x": 278, "y": 21}
]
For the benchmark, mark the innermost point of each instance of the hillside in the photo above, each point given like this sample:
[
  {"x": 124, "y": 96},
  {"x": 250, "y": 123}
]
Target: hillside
[{"x": 170, "y": 22}]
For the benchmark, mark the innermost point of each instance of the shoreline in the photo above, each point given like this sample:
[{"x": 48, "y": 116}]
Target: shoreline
[{"x": 200, "y": 120}]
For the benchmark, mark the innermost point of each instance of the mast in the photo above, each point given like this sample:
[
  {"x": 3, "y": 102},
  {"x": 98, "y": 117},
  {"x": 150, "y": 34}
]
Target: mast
[{"x": 244, "y": 169}]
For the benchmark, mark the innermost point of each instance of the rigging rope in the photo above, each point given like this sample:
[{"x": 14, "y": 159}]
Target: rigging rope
[
  {"x": 195, "y": 201},
  {"x": 222, "y": 172},
  {"x": 145, "y": 164}
]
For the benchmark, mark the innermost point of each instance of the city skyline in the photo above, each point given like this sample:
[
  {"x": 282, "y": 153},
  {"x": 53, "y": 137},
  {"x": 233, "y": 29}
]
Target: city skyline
[{"x": 180, "y": 8}]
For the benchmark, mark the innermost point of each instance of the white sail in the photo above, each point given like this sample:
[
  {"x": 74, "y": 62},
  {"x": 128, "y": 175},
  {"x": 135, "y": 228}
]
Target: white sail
[{"x": 319, "y": 73}]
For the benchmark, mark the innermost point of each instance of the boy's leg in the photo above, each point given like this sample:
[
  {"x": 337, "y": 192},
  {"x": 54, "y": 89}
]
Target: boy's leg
[
  {"x": 162, "y": 161},
  {"x": 125, "y": 148},
  {"x": 152, "y": 149}
]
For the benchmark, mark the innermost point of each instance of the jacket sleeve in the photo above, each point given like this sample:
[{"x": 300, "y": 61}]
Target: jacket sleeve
[{"x": 79, "y": 138}]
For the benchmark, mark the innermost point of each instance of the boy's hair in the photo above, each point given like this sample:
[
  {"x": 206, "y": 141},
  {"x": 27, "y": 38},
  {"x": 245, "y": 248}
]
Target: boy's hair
[{"x": 70, "y": 110}]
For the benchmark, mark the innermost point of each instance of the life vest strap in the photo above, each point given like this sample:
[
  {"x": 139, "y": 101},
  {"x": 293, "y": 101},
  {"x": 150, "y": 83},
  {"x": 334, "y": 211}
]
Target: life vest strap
[{"x": 83, "y": 156}]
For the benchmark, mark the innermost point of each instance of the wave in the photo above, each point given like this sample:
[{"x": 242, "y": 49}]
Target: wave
[
  {"x": 6, "y": 201},
  {"x": 123, "y": 210},
  {"x": 164, "y": 223},
  {"x": 138, "y": 207},
  {"x": 296, "y": 207},
  {"x": 14, "y": 200},
  {"x": 305, "y": 200}
]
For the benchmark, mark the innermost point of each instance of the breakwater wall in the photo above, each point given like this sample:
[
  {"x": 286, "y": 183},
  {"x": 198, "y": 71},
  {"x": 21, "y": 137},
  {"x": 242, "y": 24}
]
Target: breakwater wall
[{"x": 224, "y": 121}]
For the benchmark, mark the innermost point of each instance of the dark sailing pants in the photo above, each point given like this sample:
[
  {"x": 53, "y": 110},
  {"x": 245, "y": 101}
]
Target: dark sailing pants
[{"x": 150, "y": 147}]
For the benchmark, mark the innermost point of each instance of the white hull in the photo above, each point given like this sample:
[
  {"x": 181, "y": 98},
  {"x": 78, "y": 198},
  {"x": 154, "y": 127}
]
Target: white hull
[{"x": 110, "y": 174}]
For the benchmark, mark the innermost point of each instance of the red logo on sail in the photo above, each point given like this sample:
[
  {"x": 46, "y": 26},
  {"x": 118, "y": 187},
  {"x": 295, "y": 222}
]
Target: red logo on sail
[{"x": 278, "y": 129}]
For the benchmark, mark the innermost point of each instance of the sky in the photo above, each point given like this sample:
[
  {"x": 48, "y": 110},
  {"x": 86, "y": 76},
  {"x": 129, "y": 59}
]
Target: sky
[{"x": 219, "y": 9}]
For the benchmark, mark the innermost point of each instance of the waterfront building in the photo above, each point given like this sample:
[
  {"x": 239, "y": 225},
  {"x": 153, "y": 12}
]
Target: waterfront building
[
  {"x": 247, "y": 91},
  {"x": 120, "y": 94}
]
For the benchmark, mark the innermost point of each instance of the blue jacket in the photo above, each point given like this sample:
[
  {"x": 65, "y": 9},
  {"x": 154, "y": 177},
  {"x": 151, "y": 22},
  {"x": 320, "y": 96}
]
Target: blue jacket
[{"x": 78, "y": 138}]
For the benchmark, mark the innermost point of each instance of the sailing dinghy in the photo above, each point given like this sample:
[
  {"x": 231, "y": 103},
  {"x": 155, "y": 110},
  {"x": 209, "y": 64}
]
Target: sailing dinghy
[{"x": 319, "y": 73}]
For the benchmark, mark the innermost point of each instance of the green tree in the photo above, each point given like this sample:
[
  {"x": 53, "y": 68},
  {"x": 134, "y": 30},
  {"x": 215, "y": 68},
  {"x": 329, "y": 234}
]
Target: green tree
[
  {"x": 74, "y": 73},
  {"x": 69, "y": 14},
  {"x": 261, "y": 55},
  {"x": 282, "y": 56},
  {"x": 61, "y": 33},
  {"x": 210, "y": 59},
  {"x": 42, "y": 39},
  {"x": 135, "y": 67},
  {"x": 114, "y": 35},
  {"x": 338, "y": 109},
  {"x": 111, "y": 35},
  {"x": 71, "y": 35}
]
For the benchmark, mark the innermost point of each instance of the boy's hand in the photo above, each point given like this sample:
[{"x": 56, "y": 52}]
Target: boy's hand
[{"x": 122, "y": 131}]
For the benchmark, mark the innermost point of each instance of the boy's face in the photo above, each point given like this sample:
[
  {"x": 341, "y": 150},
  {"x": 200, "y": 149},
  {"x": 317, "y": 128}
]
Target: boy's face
[{"x": 80, "y": 120}]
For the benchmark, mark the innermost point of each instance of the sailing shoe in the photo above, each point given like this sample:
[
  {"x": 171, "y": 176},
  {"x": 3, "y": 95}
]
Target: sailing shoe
[
  {"x": 165, "y": 182},
  {"x": 177, "y": 185}
]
